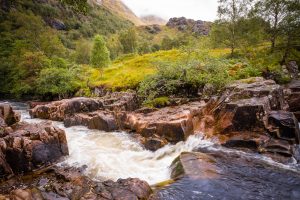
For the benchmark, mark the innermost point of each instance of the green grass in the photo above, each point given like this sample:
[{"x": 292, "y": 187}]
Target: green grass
[{"x": 129, "y": 71}]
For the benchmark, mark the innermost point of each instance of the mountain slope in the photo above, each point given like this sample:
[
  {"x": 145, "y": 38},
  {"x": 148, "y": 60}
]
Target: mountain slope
[
  {"x": 119, "y": 8},
  {"x": 153, "y": 19}
]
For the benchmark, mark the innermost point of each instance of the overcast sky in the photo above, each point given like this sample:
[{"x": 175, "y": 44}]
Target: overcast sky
[{"x": 195, "y": 9}]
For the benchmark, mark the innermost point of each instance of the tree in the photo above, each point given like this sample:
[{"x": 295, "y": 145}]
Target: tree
[
  {"x": 273, "y": 11},
  {"x": 56, "y": 82},
  {"x": 83, "y": 52},
  {"x": 128, "y": 40},
  {"x": 100, "y": 57},
  {"x": 291, "y": 28},
  {"x": 230, "y": 12}
]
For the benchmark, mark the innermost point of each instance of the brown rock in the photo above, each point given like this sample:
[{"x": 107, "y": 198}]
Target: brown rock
[
  {"x": 31, "y": 146},
  {"x": 173, "y": 124},
  {"x": 59, "y": 109},
  {"x": 9, "y": 116},
  {"x": 284, "y": 125},
  {"x": 101, "y": 120},
  {"x": 294, "y": 98}
]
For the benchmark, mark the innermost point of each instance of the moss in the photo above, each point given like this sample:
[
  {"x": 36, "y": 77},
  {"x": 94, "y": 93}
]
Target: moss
[{"x": 158, "y": 102}]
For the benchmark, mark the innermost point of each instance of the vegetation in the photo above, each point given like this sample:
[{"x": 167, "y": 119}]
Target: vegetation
[
  {"x": 57, "y": 50},
  {"x": 100, "y": 57}
]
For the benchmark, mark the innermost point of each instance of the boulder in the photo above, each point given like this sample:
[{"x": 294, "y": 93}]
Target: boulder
[
  {"x": 9, "y": 117},
  {"x": 57, "y": 110},
  {"x": 252, "y": 115},
  {"x": 172, "y": 124},
  {"x": 31, "y": 146},
  {"x": 101, "y": 120}
]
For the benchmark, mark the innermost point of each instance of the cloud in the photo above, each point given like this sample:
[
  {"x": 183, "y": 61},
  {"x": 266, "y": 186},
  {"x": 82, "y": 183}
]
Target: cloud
[{"x": 195, "y": 9}]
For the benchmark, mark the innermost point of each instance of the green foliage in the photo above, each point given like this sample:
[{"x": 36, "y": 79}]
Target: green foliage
[
  {"x": 128, "y": 40},
  {"x": 184, "y": 78},
  {"x": 100, "y": 56},
  {"x": 56, "y": 82},
  {"x": 82, "y": 53}
]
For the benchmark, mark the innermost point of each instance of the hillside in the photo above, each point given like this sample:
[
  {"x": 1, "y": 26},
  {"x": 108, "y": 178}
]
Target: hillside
[{"x": 119, "y": 8}]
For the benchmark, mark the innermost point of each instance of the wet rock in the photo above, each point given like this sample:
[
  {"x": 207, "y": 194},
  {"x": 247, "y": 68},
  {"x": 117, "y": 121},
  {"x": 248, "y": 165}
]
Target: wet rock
[
  {"x": 284, "y": 125},
  {"x": 251, "y": 115},
  {"x": 101, "y": 120},
  {"x": 31, "y": 146},
  {"x": 70, "y": 183},
  {"x": 173, "y": 124},
  {"x": 244, "y": 115},
  {"x": 59, "y": 110},
  {"x": 293, "y": 98},
  {"x": 193, "y": 165},
  {"x": 216, "y": 173},
  {"x": 8, "y": 116}
]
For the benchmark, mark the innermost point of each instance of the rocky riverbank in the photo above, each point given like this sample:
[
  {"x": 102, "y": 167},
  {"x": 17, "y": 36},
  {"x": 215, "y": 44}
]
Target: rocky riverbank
[{"x": 255, "y": 116}]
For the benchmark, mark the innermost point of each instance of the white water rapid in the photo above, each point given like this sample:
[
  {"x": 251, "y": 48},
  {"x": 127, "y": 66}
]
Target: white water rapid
[{"x": 114, "y": 155}]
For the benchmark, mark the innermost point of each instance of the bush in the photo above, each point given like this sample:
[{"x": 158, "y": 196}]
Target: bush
[{"x": 184, "y": 78}]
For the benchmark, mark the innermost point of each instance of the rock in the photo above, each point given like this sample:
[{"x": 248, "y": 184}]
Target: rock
[
  {"x": 257, "y": 87},
  {"x": 182, "y": 24},
  {"x": 121, "y": 101},
  {"x": 31, "y": 146},
  {"x": 243, "y": 115},
  {"x": 193, "y": 165},
  {"x": 56, "y": 24},
  {"x": 59, "y": 110},
  {"x": 216, "y": 173},
  {"x": 153, "y": 29},
  {"x": 293, "y": 69},
  {"x": 293, "y": 98},
  {"x": 252, "y": 115},
  {"x": 284, "y": 125},
  {"x": 101, "y": 120},
  {"x": 70, "y": 183},
  {"x": 7, "y": 114},
  {"x": 173, "y": 124}
]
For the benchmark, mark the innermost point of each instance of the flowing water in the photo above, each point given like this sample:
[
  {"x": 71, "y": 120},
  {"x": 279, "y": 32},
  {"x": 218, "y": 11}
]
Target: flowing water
[{"x": 116, "y": 155}]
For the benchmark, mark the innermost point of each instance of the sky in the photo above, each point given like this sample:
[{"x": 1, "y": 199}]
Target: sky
[{"x": 194, "y": 9}]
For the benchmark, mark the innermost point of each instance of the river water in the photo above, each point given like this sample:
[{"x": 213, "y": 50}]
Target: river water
[{"x": 116, "y": 155}]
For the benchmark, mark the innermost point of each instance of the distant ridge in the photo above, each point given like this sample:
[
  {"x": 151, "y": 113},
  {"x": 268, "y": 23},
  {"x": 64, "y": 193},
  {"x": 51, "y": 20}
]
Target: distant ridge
[{"x": 153, "y": 19}]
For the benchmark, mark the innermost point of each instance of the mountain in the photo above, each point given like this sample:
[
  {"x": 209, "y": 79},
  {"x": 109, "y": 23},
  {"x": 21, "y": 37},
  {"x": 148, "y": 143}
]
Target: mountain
[
  {"x": 119, "y": 8},
  {"x": 153, "y": 19}
]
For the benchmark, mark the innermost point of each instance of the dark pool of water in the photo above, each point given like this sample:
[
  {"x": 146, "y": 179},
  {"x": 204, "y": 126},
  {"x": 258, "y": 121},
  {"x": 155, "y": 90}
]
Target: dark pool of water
[{"x": 238, "y": 177}]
